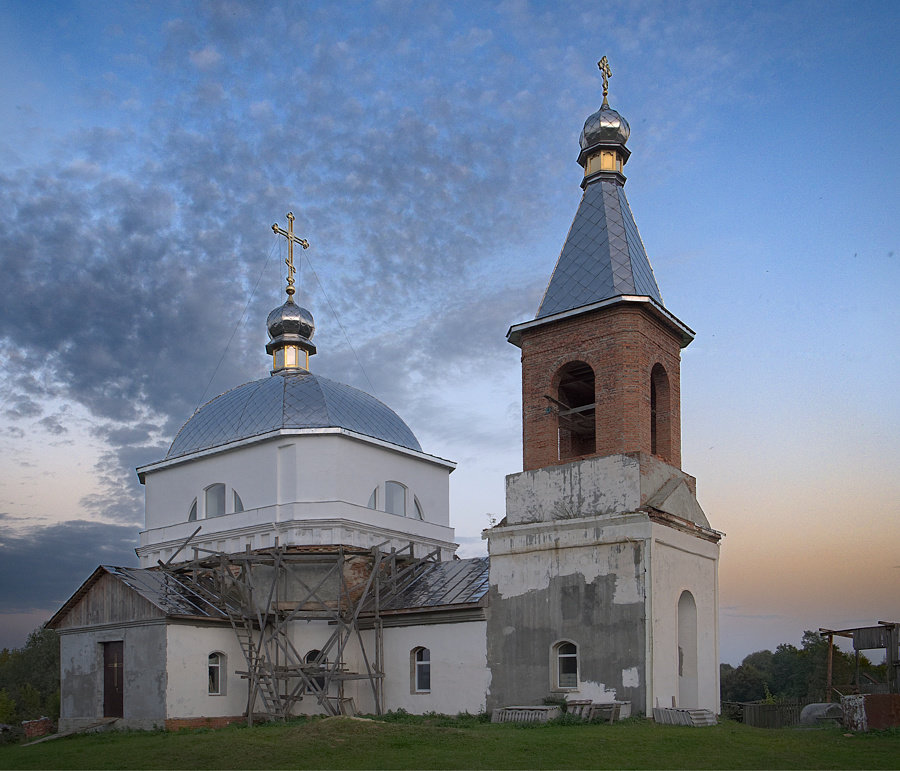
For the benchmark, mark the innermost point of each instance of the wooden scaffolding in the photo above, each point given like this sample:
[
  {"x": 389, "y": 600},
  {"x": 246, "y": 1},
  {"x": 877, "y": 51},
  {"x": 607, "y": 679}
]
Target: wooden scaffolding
[{"x": 264, "y": 592}]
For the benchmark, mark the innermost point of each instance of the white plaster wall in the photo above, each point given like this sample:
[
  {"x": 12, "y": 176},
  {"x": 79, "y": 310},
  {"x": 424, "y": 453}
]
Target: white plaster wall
[
  {"x": 187, "y": 693},
  {"x": 459, "y": 671},
  {"x": 594, "y": 486},
  {"x": 680, "y": 562},
  {"x": 326, "y": 479},
  {"x": 329, "y": 467}
]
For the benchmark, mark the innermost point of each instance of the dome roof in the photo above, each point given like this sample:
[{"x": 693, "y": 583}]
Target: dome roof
[
  {"x": 604, "y": 126},
  {"x": 296, "y": 399},
  {"x": 290, "y": 319}
]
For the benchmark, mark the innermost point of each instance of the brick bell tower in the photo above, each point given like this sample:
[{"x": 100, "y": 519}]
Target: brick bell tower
[{"x": 604, "y": 571}]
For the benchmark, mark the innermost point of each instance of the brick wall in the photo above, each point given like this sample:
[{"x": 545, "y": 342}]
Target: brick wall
[
  {"x": 177, "y": 723},
  {"x": 621, "y": 343}
]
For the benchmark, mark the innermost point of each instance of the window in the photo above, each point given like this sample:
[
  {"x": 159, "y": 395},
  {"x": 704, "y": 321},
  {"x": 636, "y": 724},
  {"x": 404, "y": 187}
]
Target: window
[
  {"x": 215, "y": 500},
  {"x": 310, "y": 658},
  {"x": 238, "y": 503},
  {"x": 395, "y": 498},
  {"x": 421, "y": 670},
  {"x": 373, "y": 499},
  {"x": 566, "y": 665},
  {"x": 576, "y": 410},
  {"x": 192, "y": 514},
  {"x": 419, "y": 513},
  {"x": 216, "y": 667}
]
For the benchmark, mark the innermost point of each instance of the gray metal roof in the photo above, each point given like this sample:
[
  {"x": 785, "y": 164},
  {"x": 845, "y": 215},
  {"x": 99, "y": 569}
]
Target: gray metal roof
[
  {"x": 289, "y": 400},
  {"x": 603, "y": 255},
  {"x": 165, "y": 592},
  {"x": 458, "y": 582}
]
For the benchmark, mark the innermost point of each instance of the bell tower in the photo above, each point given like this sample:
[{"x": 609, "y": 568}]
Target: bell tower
[
  {"x": 601, "y": 359},
  {"x": 603, "y": 574}
]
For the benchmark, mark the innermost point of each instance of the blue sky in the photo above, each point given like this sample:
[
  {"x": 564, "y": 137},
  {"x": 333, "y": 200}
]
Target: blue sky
[{"x": 428, "y": 151}]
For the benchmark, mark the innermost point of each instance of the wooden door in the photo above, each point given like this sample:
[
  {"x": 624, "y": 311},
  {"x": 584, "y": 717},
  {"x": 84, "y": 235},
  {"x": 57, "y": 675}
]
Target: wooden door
[{"x": 113, "y": 678}]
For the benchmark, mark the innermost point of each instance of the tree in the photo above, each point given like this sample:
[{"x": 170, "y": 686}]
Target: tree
[{"x": 29, "y": 677}]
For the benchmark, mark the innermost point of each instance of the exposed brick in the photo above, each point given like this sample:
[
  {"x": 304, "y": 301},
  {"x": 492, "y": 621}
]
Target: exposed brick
[
  {"x": 177, "y": 723},
  {"x": 622, "y": 344}
]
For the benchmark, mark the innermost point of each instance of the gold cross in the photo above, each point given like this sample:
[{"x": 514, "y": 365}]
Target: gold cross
[
  {"x": 291, "y": 239},
  {"x": 603, "y": 64}
]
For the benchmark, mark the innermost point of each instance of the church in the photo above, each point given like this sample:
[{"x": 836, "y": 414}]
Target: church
[{"x": 298, "y": 555}]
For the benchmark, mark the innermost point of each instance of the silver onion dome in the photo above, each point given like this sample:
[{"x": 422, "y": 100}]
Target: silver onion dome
[
  {"x": 289, "y": 320},
  {"x": 605, "y": 126}
]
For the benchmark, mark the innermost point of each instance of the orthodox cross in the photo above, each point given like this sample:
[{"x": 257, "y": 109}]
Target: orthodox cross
[
  {"x": 606, "y": 72},
  {"x": 291, "y": 239}
]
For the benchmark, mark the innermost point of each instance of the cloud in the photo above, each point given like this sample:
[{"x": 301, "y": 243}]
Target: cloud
[
  {"x": 53, "y": 424},
  {"x": 206, "y": 58},
  {"x": 43, "y": 566}
]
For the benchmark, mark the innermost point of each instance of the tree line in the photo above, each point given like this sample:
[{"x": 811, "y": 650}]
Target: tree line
[
  {"x": 29, "y": 679},
  {"x": 792, "y": 673}
]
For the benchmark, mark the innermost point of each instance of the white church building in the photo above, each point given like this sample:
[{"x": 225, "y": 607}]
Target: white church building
[{"x": 298, "y": 555}]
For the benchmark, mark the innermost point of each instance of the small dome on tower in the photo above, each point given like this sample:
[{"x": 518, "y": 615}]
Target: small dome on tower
[
  {"x": 290, "y": 319},
  {"x": 604, "y": 126}
]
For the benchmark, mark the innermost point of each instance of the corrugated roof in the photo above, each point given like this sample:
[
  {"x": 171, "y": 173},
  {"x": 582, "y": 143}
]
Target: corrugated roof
[
  {"x": 603, "y": 255},
  {"x": 165, "y": 592},
  {"x": 458, "y": 582}
]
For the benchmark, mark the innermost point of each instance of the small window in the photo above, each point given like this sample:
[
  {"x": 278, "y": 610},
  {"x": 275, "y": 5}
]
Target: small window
[
  {"x": 238, "y": 503},
  {"x": 421, "y": 674},
  {"x": 216, "y": 665},
  {"x": 566, "y": 665},
  {"x": 215, "y": 500},
  {"x": 192, "y": 514},
  {"x": 395, "y": 498},
  {"x": 419, "y": 513},
  {"x": 373, "y": 499}
]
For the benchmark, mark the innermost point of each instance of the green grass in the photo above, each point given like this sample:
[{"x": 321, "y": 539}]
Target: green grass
[{"x": 440, "y": 742}]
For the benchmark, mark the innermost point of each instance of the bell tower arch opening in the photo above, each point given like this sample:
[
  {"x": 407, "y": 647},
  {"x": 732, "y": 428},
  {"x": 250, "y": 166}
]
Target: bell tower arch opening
[
  {"x": 576, "y": 402},
  {"x": 660, "y": 413}
]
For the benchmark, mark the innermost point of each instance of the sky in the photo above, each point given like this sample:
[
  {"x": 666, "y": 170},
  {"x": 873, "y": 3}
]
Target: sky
[{"x": 428, "y": 151}]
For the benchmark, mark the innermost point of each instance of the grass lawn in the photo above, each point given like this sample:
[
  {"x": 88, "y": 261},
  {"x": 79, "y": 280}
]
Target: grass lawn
[{"x": 436, "y": 742}]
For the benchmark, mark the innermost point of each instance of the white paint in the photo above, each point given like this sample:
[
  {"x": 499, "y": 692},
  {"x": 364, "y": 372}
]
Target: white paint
[
  {"x": 631, "y": 678},
  {"x": 187, "y": 660},
  {"x": 459, "y": 671},
  {"x": 596, "y": 692},
  {"x": 681, "y": 562},
  {"x": 300, "y": 489},
  {"x": 607, "y": 486}
]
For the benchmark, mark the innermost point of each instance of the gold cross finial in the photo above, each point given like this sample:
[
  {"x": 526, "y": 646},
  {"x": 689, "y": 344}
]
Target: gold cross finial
[
  {"x": 291, "y": 239},
  {"x": 603, "y": 64}
]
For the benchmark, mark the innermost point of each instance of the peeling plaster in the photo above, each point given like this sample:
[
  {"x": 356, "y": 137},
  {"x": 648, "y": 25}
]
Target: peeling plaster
[{"x": 631, "y": 678}]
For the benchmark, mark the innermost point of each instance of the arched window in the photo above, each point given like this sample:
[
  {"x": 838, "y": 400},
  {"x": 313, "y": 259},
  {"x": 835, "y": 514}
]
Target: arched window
[
  {"x": 660, "y": 413},
  {"x": 420, "y": 659},
  {"x": 576, "y": 404},
  {"x": 311, "y": 658},
  {"x": 395, "y": 498},
  {"x": 373, "y": 499},
  {"x": 419, "y": 513},
  {"x": 216, "y": 670},
  {"x": 215, "y": 500},
  {"x": 238, "y": 503},
  {"x": 565, "y": 655},
  {"x": 192, "y": 514}
]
